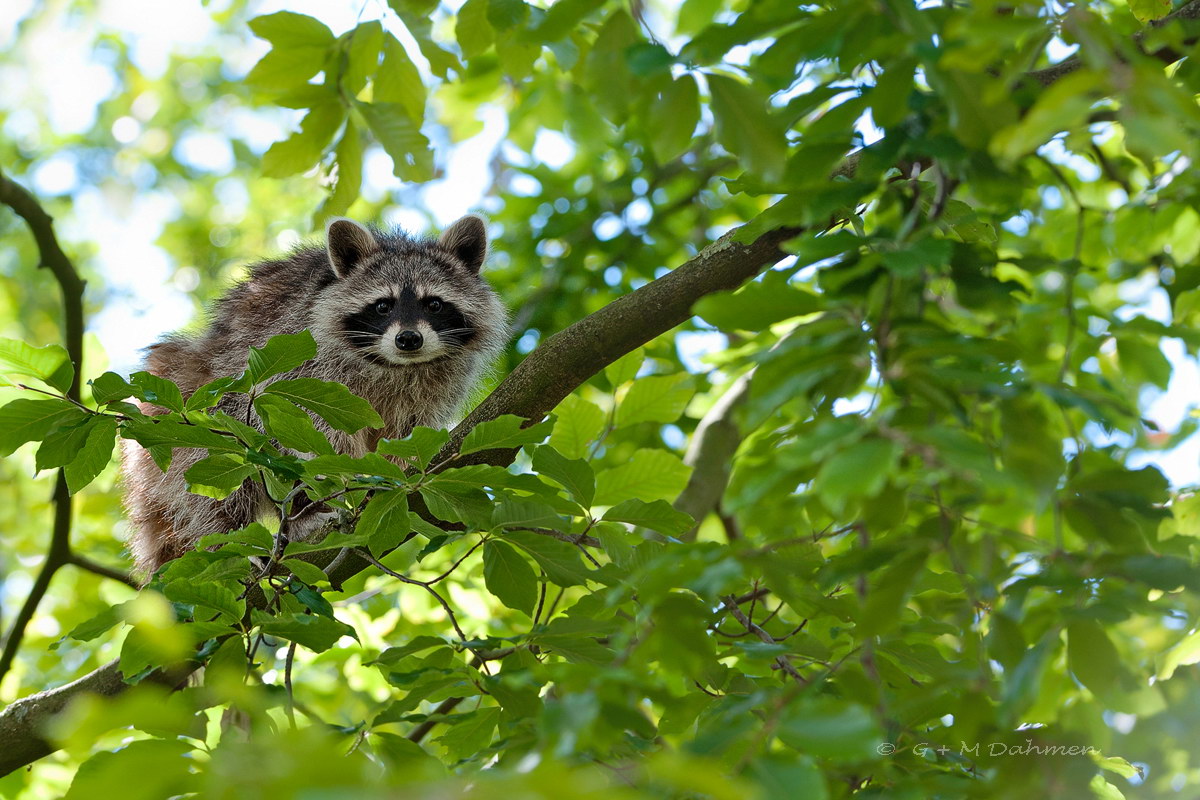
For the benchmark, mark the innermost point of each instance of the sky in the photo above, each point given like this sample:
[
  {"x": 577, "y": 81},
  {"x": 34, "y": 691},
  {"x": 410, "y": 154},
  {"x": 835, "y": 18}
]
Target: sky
[{"x": 149, "y": 293}]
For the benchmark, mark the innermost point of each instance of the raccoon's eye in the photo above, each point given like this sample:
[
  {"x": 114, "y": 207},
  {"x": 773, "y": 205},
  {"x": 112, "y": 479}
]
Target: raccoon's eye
[
  {"x": 383, "y": 306},
  {"x": 434, "y": 305}
]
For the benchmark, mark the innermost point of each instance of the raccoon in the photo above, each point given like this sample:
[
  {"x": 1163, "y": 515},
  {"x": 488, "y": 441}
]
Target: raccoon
[{"x": 410, "y": 325}]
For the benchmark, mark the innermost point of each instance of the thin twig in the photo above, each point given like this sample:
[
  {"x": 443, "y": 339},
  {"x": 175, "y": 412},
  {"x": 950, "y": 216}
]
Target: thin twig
[
  {"x": 287, "y": 684},
  {"x": 784, "y": 664},
  {"x": 447, "y": 705},
  {"x": 85, "y": 563},
  {"x": 449, "y": 611}
]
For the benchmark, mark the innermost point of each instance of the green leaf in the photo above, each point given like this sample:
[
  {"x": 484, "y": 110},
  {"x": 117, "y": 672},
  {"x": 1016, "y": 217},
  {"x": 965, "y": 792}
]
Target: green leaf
[
  {"x": 26, "y": 420},
  {"x": 625, "y": 368},
  {"x": 348, "y": 158},
  {"x": 470, "y": 733},
  {"x": 563, "y": 17},
  {"x": 401, "y": 138},
  {"x": 98, "y": 625},
  {"x": 309, "y": 573},
  {"x": 578, "y": 423},
  {"x": 648, "y": 475},
  {"x": 49, "y": 363},
  {"x": 605, "y": 72},
  {"x": 255, "y": 536},
  {"x": 63, "y": 445},
  {"x": 757, "y": 305},
  {"x": 1061, "y": 106},
  {"x": 673, "y": 118},
  {"x": 305, "y": 148},
  {"x": 504, "y": 432},
  {"x": 364, "y": 43},
  {"x": 370, "y": 464},
  {"x": 561, "y": 561},
  {"x": 834, "y": 730},
  {"x": 522, "y": 513},
  {"x": 416, "y": 18},
  {"x": 110, "y": 387},
  {"x": 418, "y": 448},
  {"x": 509, "y": 577},
  {"x": 505, "y": 14},
  {"x": 292, "y": 30},
  {"x": 859, "y": 471},
  {"x": 695, "y": 15},
  {"x": 218, "y": 420},
  {"x": 885, "y": 601},
  {"x": 218, "y": 476},
  {"x": 211, "y": 393},
  {"x": 285, "y": 67},
  {"x": 168, "y": 433},
  {"x": 300, "y": 45},
  {"x": 1116, "y": 764},
  {"x": 290, "y": 426},
  {"x": 472, "y": 29},
  {"x": 745, "y": 128},
  {"x": 1149, "y": 10},
  {"x": 95, "y": 455},
  {"x": 317, "y": 633},
  {"x": 418, "y": 644},
  {"x": 211, "y": 596},
  {"x": 399, "y": 82},
  {"x": 657, "y": 516},
  {"x": 929, "y": 253},
  {"x": 384, "y": 522},
  {"x": 332, "y": 402},
  {"x": 655, "y": 398},
  {"x": 1183, "y": 653},
  {"x": 1092, "y": 656},
  {"x": 783, "y": 778},
  {"x": 158, "y": 391},
  {"x": 574, "y": 474},
  {"x": 161, "y": 766}
]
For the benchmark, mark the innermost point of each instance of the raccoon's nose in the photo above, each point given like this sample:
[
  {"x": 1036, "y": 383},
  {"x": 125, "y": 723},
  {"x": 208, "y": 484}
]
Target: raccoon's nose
[{"x": 409, "y": 340}]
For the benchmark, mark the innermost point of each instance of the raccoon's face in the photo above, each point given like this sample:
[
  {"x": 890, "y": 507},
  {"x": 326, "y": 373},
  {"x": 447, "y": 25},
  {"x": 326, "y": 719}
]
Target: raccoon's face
[
  {"x": 407, "y": 325},
  {"x": 398, "y": 302}
]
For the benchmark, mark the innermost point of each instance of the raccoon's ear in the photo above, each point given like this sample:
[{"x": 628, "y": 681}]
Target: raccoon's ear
[
  {"x": 467, "y": 241},
  {"x": 348, "y": 243}
]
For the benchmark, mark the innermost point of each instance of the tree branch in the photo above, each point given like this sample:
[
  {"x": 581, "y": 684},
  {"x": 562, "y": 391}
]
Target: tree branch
[
  {"x": 104, "y": 571},
  {"x": 1164, "y": 53},
  {"x": 710, "y": 454},
  {"x": 52, "y": 257},
  {"x": 568, "y": 358}
]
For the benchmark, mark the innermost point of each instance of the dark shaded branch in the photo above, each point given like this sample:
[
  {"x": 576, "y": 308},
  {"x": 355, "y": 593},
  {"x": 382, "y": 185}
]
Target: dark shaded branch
[
  {"x": 420, "y": 732},
  {"x": 56, "y": 557},
  {"x": 104, "y": 571},
  {"x": 52, "y": 257},
  {"x": 1166, "y": 54}
]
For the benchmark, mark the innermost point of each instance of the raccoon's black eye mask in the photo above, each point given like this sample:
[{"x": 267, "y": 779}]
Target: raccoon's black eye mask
[{"x": 442, "y": 316}]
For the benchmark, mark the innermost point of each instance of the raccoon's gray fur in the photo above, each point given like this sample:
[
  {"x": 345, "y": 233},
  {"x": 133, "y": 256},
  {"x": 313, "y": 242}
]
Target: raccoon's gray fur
[{"x": 407, "y": 324}]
